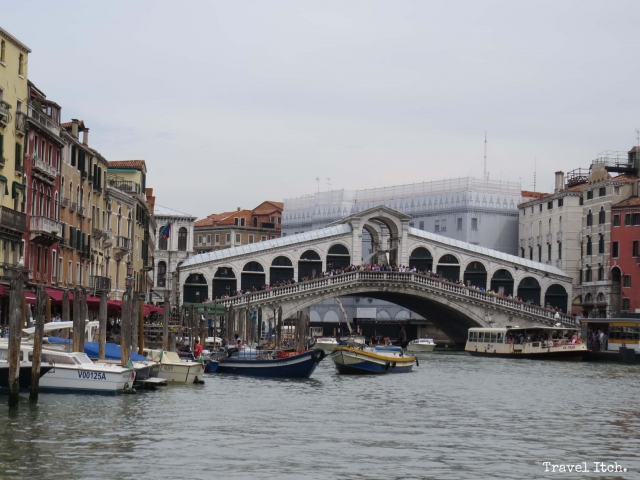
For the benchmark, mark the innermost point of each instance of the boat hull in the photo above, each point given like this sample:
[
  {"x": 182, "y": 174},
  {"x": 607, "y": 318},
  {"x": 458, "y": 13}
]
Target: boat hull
[
  {"x": 296, "y": 366},
  {"x": 571, "y": 355},
  {"x": 24, "y": 377},
  {"x": 352, "y": 361},
  {"x": 108, "y": 380},
  {"x": 421, "y": 348},
  {"x": 187, "y": 372},
  {"x": 325, "y": 347}
]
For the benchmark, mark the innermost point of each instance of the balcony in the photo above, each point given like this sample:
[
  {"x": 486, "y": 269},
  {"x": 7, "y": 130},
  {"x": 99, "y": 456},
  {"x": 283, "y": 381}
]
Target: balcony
[
  {"x": 538, "y": 239},
  {"x": 45, "y": 230},
  {"x": 549, "y": 238},
  {"x": 125, "y": 185},
  {"x": 43, "y": 120},
  {"x": 559, "y": 236},
  {"x": 12, "y": 221},
  {"x": 46, "y": 169},
  {"x": 20, "y": 123},
  {"x": 600, "y": 228},
  {"x": 600, "y": 258},
  {"x": 83, "y": 174},
  {"x": 7, "y": 271},
  {"x": 54, "y": 279},
  {"x": 73, "y": 206},
  {"x": 64, "y": 202},
  {"x": 5, "y": 115},
  {"x": 530, "y": 242},
  {"x": 122, "y": 243},
  {"x": 587, "y": 230},
  {"x": 81, "y": 211},
  {"x": 100, "y": 284},
  {"x": 97, "y": 233},
  {"x": 559, "y": 264}
]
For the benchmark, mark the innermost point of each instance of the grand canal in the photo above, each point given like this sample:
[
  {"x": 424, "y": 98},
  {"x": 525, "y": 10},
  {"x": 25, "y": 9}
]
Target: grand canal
[{"x": 454, "y": 417}]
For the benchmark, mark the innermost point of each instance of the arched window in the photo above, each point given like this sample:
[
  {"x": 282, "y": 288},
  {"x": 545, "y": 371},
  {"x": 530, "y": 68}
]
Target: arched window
[
  {"x": 601, "y": 216},
  {"x": 48, "y": 203},
  {"x": 56, "y": 208},
  {"x": 21, "y": 65},
  {"x": 2, "y": 51},
  {"x": 182, "y": 239},
  {"x": 34, "y": 197},
  {"x": 589, "y": 218},
  {"x": 41, "y": 203},
  {"x": 255, "y": 222},
  {"x": 119, "y": 220},
  {"x": 81, "y": 198},
  {"x": 162, "y": 242},
  {"x": 162, "y": 274},
  {"x": 78, "y": 197},
  {"x": 129, "y": 225},
  {"x": 560, "y": 224}
]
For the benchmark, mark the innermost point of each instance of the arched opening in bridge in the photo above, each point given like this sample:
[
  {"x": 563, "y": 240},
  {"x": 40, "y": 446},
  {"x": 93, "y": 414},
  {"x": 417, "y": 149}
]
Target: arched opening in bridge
[
  {"x": 309, "y": 265},
  {"x": 529, "y": 290},
  {"x": 338, "y": 257},
  {"x": 252, "y": 276},
  {"x": 449, "y": 267},
  {"x": 224, "y": 282},
  {"x": 195, "y": 289},
  {"x": 475, "y": 274},
  {"x": 502, "y": 282},
  {"x": 556, "y": 297},
  {"x": 421, "y": 259},
  {"x": 281, "y": 270}
]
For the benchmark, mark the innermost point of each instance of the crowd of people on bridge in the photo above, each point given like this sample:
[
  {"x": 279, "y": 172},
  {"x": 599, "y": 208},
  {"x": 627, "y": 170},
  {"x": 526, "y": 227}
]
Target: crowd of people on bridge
[{"x": 388, "y": 268}]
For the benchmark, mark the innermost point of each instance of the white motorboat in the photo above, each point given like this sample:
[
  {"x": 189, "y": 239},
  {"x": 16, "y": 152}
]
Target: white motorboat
[
  {"x": 74, "y": 371},
  {"x": 421, "y": 345},
  {"x": 326, "y": 344},
  {"x": 173, "y": 370}
]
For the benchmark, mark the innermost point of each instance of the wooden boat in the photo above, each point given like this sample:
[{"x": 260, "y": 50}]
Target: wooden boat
[
  {"x": 539, "y": 343},
  {"x": 371, "y": 360},
  {"x": 270, "y": 363},
  {"x": 421, "y": 345},
  {"x": 173, "y": 370}
]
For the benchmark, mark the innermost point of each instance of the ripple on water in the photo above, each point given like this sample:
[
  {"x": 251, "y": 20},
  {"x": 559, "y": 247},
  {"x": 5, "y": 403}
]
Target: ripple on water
[{"x": 455, "y": 416}]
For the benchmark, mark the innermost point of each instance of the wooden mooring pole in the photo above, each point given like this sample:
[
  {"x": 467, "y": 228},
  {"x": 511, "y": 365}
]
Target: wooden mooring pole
[
  {"x": 140, "y": 327},
  {"x": 76, "y": 320},
  {"x": 15, "y": 330},
  {"x": 41, "y": 307},
  {"x": 102, "y": 329},
  {"x": 125, "y": 329},
  {"x": 84, "y": 313},
  {"x": 165, "y": 320},
  {"x": 65, "y": 306}
]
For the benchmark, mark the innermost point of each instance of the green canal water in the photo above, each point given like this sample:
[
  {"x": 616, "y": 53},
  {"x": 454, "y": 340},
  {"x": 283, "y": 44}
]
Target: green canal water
[{"x": 454, "y": 417}]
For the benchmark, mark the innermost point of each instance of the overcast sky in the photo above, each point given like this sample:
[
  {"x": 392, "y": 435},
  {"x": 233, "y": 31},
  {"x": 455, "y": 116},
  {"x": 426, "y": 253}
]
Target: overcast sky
[{"x": 232, "y": 103}]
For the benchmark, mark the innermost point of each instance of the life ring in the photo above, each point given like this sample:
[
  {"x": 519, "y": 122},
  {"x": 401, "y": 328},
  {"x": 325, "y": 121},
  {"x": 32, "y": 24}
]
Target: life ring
[{"x": 318, "y": 355}]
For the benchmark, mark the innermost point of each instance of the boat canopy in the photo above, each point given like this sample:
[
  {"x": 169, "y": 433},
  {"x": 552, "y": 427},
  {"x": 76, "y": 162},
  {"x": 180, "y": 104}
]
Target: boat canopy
[{"x": 111, "y": 350}]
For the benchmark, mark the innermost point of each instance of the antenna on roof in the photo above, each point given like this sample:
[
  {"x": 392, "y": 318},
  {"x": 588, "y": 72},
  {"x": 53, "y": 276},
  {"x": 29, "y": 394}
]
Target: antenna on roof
[
  {"x": 486, "y": 174},
  {"x": 638, "y": 135},
  {"x": 318, "y": 180},
  {"x": 328, "y": 184}
]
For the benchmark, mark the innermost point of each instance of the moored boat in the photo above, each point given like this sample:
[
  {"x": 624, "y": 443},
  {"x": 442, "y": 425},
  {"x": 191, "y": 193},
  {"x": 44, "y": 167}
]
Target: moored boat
[
  {"x": 326, "y": 344},
  {"x": 24, "y": 377},
  {"x": 269, "y": 363},
  {"x": 173, "y": 370},
  {"x": 421, "y": 345},
  {"x": 539, "y": 343},
  {"x": 371, "y": 360}
]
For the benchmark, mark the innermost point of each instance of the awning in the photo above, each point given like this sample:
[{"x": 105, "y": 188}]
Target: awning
[
  {"x": 31, "y": 298},
  {"x": 56, "y": 295}
]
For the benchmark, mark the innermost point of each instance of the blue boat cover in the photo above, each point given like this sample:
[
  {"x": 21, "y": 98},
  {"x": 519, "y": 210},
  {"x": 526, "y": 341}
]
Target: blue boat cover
[
  {"x": 111, "y": 351},
  {"x": 389, "y": 349}
]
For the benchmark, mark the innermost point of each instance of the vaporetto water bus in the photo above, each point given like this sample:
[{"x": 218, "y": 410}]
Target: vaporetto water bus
[{"x": 543, "y": 343}]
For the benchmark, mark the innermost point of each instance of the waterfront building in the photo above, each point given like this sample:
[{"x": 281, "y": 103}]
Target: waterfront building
[
  {"x": 478, "y": 211},
  {"x": 13, "y": 112},
  {"x": 173, "y": 251},
  {"x": 42, "y": 163},
  {"x": 240, "y": 227},
  {"x": 131, "y": 234},
  {"x": 572, "y": 228}
]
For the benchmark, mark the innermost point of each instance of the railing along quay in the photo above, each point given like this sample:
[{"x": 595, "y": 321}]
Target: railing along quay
[{"x": 405, "y": 277}]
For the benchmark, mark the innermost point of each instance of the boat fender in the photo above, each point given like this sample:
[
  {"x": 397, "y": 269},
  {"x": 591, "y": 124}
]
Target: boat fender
[
  {"x": 386, "y": 366},
  {"x": 417, "y": 363},
  {"x": 318, "y": 355},
  {"x": 312, "y": 342}
]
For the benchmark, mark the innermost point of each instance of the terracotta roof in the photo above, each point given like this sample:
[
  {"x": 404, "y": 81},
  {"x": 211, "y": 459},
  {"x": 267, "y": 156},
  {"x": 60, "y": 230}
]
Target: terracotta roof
[
  {"x": 128, "y": 164},
  {"x": 530, "y": 194},
  {"x": 625, "y": 178},
  {"x": 81, "y": 125},
  {"x": 629, "y": 202},
  {"x": 225, "y": 218}
]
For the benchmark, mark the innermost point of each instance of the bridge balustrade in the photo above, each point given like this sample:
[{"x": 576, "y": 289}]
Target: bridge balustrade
[{"x": 405, "y": 277}]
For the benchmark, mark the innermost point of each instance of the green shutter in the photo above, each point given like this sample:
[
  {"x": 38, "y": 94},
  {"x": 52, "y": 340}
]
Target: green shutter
[
  {"x": 64, "y": 228},
  {"x": 1, "y": 147},
  {"x": 18, "y": 156}
]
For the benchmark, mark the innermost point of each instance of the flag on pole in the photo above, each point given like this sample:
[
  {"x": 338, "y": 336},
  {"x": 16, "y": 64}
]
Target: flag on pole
[{"x": 166, "y": 230}]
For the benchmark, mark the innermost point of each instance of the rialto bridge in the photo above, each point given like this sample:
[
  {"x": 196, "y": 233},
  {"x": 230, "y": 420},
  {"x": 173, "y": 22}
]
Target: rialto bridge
[{"x": 452, "y": 307}]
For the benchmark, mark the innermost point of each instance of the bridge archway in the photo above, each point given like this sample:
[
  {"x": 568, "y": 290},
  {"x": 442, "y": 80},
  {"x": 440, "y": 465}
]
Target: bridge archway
[
  {"x": 475, "y": 274},
  {"x": 556, "y": 297},
  {"x": 338, "y": 256},
  {"x": 421, "y": 259},
  {"x": 281, "y": 270},
  {"x": 224, "y": 282},
  {"x": 502, "y": 282},
  {"x": 309, "y": 265},
  {"x": 195, "y": 288},
  {"x": 529, "y": 290},
  {"x": 449, "y": 267},
  {"x": 252, "y": 276}
]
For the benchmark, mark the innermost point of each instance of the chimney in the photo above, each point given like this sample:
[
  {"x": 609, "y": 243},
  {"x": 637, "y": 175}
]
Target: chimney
[
  {"x": 559, "y": 182},
  {"x": 238, "y": 209},
  {"x": 85, "y": 137},
  {"x": 74, "y": 127}
]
